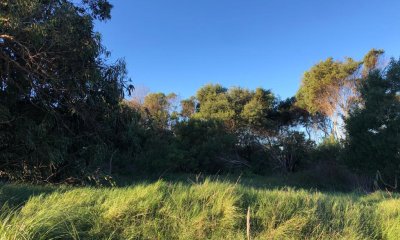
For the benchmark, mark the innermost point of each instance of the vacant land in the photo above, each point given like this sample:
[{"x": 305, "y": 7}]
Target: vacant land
[{"x": 209, "y": 209}]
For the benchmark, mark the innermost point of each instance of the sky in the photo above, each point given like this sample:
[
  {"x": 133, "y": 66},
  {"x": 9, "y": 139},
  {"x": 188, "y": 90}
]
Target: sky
[{"x": 180, "y": 45}]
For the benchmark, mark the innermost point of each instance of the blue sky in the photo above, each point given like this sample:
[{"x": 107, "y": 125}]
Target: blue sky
[{"x": 180, "y": 45}]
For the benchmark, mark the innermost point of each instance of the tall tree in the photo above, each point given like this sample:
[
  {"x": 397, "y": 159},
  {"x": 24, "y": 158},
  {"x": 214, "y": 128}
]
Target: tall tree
[
  {"x": 328, "y": 89},
  {"x": 56, "y": 89},
  {"x": 373, "y": 127},
  {"x": 160, "y": 108}
]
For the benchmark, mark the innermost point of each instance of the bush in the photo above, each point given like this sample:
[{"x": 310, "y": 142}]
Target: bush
[
  {"x": 206, "y": 146},
  {"x": 290, "y": 151}
]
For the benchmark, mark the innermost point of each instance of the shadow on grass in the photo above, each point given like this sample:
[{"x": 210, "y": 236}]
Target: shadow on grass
[
  {"x": 312, "y": 180},
  {"x": 306, "y": 180},
  {"x": 17, "y": 194}
]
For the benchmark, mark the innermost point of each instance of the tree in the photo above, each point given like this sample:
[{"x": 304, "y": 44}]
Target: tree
[
  {"x": 328, "y": 88},
  {"x": 373, "y": 127},
  {"x": 213, "y": 103},
  {"x": 188, "y": 108},
  {"x": 160, "y": 108},
  {"x": 371, "y": 60},
  {"x": 257, "y": 110},
  {"x": 57, "y": 91},
  {"x": 238, "y": 98}
]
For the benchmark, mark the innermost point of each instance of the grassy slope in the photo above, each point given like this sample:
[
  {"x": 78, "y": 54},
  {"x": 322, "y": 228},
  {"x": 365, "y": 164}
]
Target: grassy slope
[{"x": 207, "y": 210}]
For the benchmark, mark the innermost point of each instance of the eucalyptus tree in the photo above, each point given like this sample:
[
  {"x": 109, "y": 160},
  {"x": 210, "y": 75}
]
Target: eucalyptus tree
[
  {"x": 330, "y": 89},
  {"x": 327, "y": 88},
  {"x": 56, "y": 89}
]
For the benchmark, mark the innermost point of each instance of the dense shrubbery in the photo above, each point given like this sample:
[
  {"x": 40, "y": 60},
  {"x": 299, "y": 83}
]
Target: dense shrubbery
[
  {"x": 63, "y": 116},
  {"x": 221, "y": 130},
  {"x": 204, "y": 145},
  {"x": 59, "y": 99}
]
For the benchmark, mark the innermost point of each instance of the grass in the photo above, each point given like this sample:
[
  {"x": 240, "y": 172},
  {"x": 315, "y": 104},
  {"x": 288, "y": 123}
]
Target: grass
[{"x": 207, "y": 209}]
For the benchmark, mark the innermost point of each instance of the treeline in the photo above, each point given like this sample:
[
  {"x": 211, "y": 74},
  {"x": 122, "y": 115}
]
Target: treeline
[
  {"x": 64, "y": 116},
  {"x": 221, "y": 129},
  {"x": 344, "y": 114}
]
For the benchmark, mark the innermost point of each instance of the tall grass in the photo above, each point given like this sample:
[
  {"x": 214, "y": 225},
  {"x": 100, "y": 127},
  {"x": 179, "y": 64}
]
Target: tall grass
[{"x": 206, "y": 210}]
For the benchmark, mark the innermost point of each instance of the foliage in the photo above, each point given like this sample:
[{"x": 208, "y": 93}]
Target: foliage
[
  {"x": 213, "y": 103},
  {"x": 329, "y": 150},
  {"x": 188, "y": 108},
  {"x": 159, "y": 154},
  {"x": 371, "y": 60},
  {"x": 63, "y": 116},
  {"x": 328, "y": 88},
  {"x": 255, "y": 112},
  {"x": 373, "y": 139},
  {"x": 159, "y": 107},
  {"x": 206, "y": 146},
  {"x": 290, "y": 150},
  {"x": 322, "y": 85},
  {"x": 58, "y": 97}
]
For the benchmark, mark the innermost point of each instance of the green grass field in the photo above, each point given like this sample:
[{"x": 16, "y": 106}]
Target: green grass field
[{"x": 209, "y": 209}]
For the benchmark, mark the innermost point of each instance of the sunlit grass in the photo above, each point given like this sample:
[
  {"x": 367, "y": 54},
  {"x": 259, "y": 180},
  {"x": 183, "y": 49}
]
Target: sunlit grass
[{"x": 205, "y": 210}]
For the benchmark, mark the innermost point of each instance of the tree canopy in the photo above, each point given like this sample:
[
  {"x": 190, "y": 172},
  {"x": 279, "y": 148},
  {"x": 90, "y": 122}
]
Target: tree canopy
[
  {"x": 373, "y": 127},
  {"x": 330, "y": 88},
  {"x": 57, "y": 92}
]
